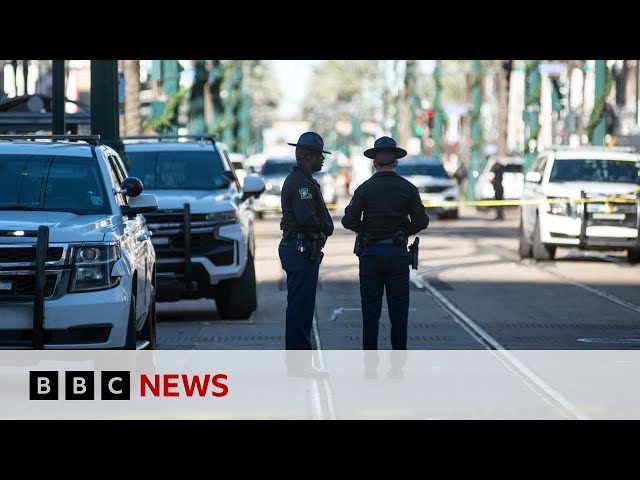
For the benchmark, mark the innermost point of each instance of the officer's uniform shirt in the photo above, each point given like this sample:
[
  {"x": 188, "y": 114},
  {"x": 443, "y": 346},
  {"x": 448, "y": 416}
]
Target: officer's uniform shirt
[
  {"x": 303, "y": 208},
  {"x": 384, "y": 204}
]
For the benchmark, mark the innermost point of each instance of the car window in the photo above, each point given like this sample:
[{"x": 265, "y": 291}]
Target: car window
[
  {"x": 512, "y": 168},
  {"x": 180, "y": 169},
  {"x": 52, "y": 183},
  {"x": 277, "y": 167},
  {"x": 595, "y": 170},
  {"x": 435, "y": 170},
  {"x": 117, "y": 176},
  {"x": 229, "y": 166},
  {"x": 540, "y": 165}
]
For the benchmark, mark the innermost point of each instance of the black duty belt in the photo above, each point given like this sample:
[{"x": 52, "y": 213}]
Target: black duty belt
[
  {"x": 386, "y": 241},
  {"x": 291, "y": 235}
]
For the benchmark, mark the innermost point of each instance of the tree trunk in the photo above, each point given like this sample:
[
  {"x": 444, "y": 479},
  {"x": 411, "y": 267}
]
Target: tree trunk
[
  {"x": 502, "y": 86},
  {"x": 132, "y": 118},
  {"x": 404, "y": 126}
]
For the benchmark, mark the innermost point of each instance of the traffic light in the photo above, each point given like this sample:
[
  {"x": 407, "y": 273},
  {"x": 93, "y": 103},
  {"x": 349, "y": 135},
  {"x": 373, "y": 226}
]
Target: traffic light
[
  {"x": 429, "y": 117},
  {"x": 558, "y": 91}
]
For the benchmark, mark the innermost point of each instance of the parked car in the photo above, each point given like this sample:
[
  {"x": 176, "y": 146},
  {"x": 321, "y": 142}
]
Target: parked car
[
  {"x": 433, "y": 182},
  {"x": 275, "y": 170},
  {"x": 583, "y": 177},
  {"x": 203, "y": 232},
  {"x": 77, "y": 267},
  {"x": 512, "y": 179}
]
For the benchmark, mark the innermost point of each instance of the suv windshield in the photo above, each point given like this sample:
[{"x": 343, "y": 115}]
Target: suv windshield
[
  {"x": 592, "y": 170},
  {"x": 184, "y": 170},
  {"x": 277, "y": 167},
  {"x": 52, "y": 183},
  {"x": 436, "y": 170}
]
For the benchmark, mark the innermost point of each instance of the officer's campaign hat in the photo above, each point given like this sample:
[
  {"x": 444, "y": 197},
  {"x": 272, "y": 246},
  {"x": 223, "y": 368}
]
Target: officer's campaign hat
[
  {"x": 310, "y": 140},
  {"x": 385, "y": 143}
]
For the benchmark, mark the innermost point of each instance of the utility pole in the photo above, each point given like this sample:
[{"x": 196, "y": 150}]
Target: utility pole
[
  {"x": 58, "y": 103},
  {"x": 531, "y": 110},
  {"x": 476, "y": 137},
  {"x": 437, "y": 113},
  {"x": 601, "y": 78},
  {"x": 104, "y": 104}
]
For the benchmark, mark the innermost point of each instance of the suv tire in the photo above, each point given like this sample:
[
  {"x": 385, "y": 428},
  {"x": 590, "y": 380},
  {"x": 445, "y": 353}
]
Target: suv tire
[
  {"x": 633, "y": 255},
  {"x": 525, "y": 246},
  {"x": 237, "y": 298},
  {"x": 541, "y": 252}
]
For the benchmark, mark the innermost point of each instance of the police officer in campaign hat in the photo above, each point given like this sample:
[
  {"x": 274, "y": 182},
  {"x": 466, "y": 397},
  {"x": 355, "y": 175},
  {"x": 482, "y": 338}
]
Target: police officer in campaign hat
[
  {"x": 384, "y": 211},
  {"x": 305, "y": 226}
]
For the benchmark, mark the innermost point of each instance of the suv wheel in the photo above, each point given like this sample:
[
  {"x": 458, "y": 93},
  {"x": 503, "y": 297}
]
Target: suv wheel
[
  {"x": 525, "y": 246},
  {"x": 541, "y": 252},
  {"x": 237, "y": 298},
  {"x": 633, "y": 255}
]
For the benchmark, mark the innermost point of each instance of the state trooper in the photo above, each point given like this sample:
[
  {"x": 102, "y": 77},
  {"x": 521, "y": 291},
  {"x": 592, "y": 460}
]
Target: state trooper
[
  {"x": 385, "y": 210},
  {"x": 306, "y": 224}
]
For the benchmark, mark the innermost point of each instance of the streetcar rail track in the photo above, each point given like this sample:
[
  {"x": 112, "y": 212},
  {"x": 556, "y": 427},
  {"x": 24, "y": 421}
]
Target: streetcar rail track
[{"x": 536, "y": 384}]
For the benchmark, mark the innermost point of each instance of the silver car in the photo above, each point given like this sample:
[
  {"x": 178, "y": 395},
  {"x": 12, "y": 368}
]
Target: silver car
[{"x": 434, "y": 184}]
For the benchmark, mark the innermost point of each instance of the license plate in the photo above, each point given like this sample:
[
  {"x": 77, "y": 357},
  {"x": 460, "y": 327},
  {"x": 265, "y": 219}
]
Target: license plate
[
  {"x": 608, "y": 216},
  {"x": 160, "y": 240},
  {"x": 6, "y": 286}
]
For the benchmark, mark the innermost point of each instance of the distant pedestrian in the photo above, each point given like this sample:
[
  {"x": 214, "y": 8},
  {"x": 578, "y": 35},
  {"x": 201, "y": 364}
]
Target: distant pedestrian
[{"x": 498, "y": 189}]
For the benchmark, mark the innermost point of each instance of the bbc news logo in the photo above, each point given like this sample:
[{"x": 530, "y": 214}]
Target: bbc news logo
[
  {"x": 80, "y": 385},
  {"x": 116, "y": 385}
]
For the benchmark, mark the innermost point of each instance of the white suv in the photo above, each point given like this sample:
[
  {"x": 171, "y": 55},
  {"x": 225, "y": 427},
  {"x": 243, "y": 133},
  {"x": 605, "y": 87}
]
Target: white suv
[
  {"x": 585, "y": 178},
  {"x": 77, "y": 268},
  {"x": 203, "y": 231}
]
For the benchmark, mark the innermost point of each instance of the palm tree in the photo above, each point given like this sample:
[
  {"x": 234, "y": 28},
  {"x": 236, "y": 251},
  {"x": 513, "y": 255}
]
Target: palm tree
[{"x": 132, "y": 118}]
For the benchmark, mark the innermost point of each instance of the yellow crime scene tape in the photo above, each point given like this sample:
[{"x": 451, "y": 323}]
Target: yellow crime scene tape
[{"x": 614, "y": 198}]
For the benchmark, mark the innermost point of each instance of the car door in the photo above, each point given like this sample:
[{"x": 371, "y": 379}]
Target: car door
[
  {"x": 139, "y": 243},
  {"x": 533, "y": 194}
]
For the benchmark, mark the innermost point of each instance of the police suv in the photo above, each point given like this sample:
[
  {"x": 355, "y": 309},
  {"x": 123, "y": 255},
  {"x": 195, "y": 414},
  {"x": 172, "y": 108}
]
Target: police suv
[
  {"x": 203, "y": 231},
  {"x": 77, "y": 267},
  {"x": 584, "y": 197}
]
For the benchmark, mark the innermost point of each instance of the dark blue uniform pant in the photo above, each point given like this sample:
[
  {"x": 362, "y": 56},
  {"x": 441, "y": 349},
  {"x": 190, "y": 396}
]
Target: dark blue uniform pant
[
  {"x": 377, "y": 273},
  {"x": 302, "y": 280}
]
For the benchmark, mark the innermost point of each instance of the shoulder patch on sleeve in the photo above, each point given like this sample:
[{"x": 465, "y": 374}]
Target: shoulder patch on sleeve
[{"x": 305, "y": 194}]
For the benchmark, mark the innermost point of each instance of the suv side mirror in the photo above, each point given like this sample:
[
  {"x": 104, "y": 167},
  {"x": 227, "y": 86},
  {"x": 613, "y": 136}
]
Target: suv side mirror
[
  {"x": 535, "y": 177},
  {"x": 131, "y": 187},
  {"x": 145, "y": 203},
  {"x": 253, "y": 186}
]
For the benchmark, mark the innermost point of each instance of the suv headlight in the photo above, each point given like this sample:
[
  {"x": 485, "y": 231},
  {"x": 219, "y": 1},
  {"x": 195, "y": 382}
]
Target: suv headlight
[
  {"x": 92, "y": 266},
  {"x": 229, "y": 216},
  {"x": 560, "y": 207}
]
